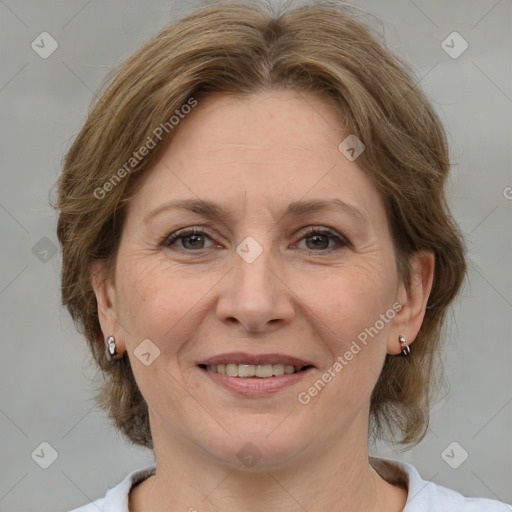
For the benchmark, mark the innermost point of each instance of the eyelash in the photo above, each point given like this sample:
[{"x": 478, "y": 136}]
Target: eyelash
[{"x": 340, "y": 241}]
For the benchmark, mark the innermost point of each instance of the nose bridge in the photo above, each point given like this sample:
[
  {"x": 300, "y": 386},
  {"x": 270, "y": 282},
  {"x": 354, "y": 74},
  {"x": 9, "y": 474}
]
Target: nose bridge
[
  {"x": 253, "y": 265},
  {"x": 255, "y": 296},
  {"x": 254, "y": 279}
]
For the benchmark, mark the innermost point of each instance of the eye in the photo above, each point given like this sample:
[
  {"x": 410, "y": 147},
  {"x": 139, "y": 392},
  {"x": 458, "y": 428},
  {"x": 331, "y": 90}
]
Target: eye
[
  {"x": 194, "y": 237},
  {"x": 321, "y": 237}
]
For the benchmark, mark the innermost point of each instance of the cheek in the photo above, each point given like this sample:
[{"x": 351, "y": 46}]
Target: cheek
[
  {"x": 156, "y": 305},
  {"x": 161, "y": 302},
  {"x": 151, "y": 299},
  {"x": 352, "y": 299},
  {"x": 355, "y": 313}
]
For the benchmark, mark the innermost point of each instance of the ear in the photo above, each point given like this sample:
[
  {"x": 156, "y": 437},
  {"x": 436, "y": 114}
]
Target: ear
[
  {"x": 413, "y": 300},
  {"x": 106, "y": 298}
]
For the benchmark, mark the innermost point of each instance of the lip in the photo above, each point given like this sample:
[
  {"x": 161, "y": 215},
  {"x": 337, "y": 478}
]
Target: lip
[
  {"x": 254, "y": 387},
  {"x": 255, "y": 359}
]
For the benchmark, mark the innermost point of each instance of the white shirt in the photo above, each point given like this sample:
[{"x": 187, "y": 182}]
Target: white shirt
[{"x": 423, "y": 496}]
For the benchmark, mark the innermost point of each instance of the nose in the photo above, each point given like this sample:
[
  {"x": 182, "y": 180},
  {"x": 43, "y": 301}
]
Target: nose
[{"x": 255, "y": 296}]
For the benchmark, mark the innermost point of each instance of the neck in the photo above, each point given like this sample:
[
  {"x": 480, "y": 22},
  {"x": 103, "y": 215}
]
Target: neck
[{"x": 338, "y": 478}]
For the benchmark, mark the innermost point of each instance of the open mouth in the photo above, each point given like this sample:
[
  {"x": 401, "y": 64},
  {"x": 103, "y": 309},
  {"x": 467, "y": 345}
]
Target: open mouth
[{"x": 247, "y": 371}]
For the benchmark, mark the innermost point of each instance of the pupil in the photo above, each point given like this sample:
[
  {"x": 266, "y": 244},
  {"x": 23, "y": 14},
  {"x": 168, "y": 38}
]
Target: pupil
[
  {"x": 195, "y": 239},
  {"x": 317, "y": 238}
]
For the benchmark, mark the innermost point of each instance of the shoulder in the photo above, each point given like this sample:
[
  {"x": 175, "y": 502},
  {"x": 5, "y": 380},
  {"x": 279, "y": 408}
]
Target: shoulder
[
  {"x": 116, "y": 498},
  {"x": 425, "y": 496}
]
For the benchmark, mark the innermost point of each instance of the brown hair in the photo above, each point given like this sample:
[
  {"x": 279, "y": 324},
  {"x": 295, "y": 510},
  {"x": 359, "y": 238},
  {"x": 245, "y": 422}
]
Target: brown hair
[{"x": 239, "y": 48}]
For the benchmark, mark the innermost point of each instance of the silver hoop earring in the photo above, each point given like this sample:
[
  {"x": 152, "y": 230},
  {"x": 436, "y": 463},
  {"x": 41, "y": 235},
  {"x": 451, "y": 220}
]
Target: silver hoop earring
[
  {"x": 406, "y": 350},
  {"x": 110, "y": 349}
]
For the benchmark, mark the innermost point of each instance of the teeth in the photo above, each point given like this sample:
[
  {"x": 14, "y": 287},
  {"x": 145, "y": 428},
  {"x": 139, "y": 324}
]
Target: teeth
[{"x": 250, "y": 370}]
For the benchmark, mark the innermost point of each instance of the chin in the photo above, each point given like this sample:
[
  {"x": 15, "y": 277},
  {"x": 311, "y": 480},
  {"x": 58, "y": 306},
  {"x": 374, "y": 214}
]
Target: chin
[{"x": 259, "y": 448}]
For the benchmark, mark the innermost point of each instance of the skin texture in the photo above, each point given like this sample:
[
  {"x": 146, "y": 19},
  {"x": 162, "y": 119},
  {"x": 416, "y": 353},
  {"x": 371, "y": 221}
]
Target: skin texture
[{"x": 303, "y": 296}]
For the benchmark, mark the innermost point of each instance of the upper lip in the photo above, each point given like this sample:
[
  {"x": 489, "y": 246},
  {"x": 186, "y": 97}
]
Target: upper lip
[{"x": 255, "y": 359}]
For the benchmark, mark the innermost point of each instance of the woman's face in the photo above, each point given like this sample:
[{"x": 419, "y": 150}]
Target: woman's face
[{"x": 252, "y": 285}]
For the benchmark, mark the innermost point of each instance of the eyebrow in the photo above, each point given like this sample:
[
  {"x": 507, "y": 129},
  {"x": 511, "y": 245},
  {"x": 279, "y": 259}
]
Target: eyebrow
[{"x": 297, "y": 208}]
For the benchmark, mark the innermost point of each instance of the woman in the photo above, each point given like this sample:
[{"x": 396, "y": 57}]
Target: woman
[{"x": 257, "y": 247}]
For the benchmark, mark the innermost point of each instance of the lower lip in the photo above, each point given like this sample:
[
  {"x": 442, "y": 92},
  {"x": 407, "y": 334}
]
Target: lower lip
[{"x": 256, "y": 386}]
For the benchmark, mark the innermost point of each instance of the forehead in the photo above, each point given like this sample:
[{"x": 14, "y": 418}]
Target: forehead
[
  {"x": 267, "y": 149},
  {"x": 270, "y": 123}
]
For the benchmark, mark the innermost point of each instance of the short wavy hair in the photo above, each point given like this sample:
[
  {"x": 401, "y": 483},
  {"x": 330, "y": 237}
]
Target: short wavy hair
[{"x": 324, "y": 48}]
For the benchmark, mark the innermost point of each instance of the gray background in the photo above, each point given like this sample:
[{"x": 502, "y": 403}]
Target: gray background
[{"x": 46, "y": 377}]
